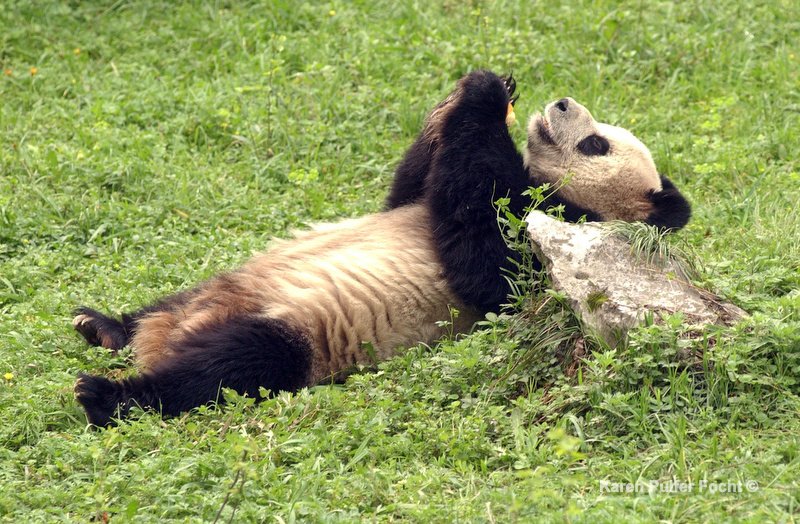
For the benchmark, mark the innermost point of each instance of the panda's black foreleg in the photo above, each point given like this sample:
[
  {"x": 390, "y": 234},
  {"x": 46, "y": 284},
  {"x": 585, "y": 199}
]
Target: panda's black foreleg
[
  {"x": 243, "y": 354},
  {"x": 408, "y": 185},
  {"x": 475, "y": 164}
]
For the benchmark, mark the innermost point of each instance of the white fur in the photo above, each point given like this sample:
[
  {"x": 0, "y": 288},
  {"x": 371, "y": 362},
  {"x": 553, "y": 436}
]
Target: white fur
[{"x": 616, "y": 185}]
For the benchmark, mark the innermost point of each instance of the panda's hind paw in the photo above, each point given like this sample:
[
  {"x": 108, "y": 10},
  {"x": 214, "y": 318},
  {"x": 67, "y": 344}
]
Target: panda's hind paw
[
  {"x": 99, "y": 396},
  {"x": 99, "y": 329}
]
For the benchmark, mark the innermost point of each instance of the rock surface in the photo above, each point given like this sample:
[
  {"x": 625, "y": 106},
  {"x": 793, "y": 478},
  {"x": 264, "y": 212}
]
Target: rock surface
[{"x": 609, "y": 287}]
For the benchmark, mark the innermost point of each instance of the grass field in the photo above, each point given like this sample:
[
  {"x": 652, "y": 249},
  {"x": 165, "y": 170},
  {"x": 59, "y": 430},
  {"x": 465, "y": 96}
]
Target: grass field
[{"x": 146, "y": 145}]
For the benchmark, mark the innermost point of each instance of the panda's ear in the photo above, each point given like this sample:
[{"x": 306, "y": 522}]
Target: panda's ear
[{"x": 671, "y": 211}]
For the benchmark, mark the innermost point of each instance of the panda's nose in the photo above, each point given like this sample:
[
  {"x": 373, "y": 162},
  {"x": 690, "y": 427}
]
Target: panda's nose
[{"x": 563, "y": 104}]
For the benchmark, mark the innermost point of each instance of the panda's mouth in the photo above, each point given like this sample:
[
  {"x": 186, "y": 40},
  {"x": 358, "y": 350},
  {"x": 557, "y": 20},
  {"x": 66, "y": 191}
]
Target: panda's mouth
[{"x": 543, "y": 130}]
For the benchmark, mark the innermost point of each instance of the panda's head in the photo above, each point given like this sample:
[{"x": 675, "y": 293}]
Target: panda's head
[{"x": 601, "y": 168}]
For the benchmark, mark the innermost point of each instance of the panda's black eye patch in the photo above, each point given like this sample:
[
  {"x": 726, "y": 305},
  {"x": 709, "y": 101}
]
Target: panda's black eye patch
[{"x": 594, "y": 145}]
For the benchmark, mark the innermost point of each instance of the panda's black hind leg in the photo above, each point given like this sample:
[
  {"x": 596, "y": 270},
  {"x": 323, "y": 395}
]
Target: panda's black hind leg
[
  {"x": 99, "y": 329},
  {"x": 244, "y": 354},
  {"x": 100, "y": 397}
]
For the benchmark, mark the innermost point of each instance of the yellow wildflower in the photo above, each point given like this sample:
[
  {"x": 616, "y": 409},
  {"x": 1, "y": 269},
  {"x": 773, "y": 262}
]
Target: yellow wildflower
[
  {"x": 34, "y": 70},
  {"x": 9, "y": 376}
]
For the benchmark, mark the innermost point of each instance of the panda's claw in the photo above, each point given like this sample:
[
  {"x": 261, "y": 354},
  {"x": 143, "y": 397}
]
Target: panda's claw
[
  {"x": 511, "y": 87},
  {"x": 79, "y": 320}
]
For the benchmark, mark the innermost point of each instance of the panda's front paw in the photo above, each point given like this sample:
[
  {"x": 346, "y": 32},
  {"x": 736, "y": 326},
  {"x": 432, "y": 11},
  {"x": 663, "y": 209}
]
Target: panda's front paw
[
  {"x": 484, "y": 97},
  {"x": 511, "y": 87}
]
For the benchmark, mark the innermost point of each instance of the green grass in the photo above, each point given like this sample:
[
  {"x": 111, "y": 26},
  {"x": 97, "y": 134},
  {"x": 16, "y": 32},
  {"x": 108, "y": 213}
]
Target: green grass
[{"x": 157, "y": 144}]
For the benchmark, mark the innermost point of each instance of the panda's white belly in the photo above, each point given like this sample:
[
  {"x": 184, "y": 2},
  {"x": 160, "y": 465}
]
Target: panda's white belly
[{"x": 360, "y": 289}]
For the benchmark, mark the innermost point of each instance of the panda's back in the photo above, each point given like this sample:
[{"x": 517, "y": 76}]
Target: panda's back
[{"x": 358, "y": 289}]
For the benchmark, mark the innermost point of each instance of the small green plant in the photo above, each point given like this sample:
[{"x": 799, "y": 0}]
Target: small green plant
[
  {"x": 449, "y": 325},
  {"x": 524, "y": 276},
  {"x": 595, "y": 299}
]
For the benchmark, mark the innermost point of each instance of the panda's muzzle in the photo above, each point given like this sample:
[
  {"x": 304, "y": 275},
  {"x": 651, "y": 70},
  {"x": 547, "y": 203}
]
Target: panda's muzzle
[{"x": 543, "y": 130}]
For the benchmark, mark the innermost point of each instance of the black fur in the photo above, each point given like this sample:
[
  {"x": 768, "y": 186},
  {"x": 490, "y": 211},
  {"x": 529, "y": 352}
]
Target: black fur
[
  {"x": 102, "y": 330},
  {"x": 409, "y": 178},
  {"x": 594, "y": 145},
  {"x": 243, "y": 354},
  {"x": 570, "y": 212},
  {"x": 476, "y": 163},
  {"x": 672, "y": 211}
]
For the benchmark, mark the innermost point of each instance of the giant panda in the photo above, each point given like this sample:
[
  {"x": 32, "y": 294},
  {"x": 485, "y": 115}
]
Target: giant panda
[{"x": 310, "y": 309}]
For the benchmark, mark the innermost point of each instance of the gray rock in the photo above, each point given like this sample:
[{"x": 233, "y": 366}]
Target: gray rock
[{"x": 609, "y": 287}]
